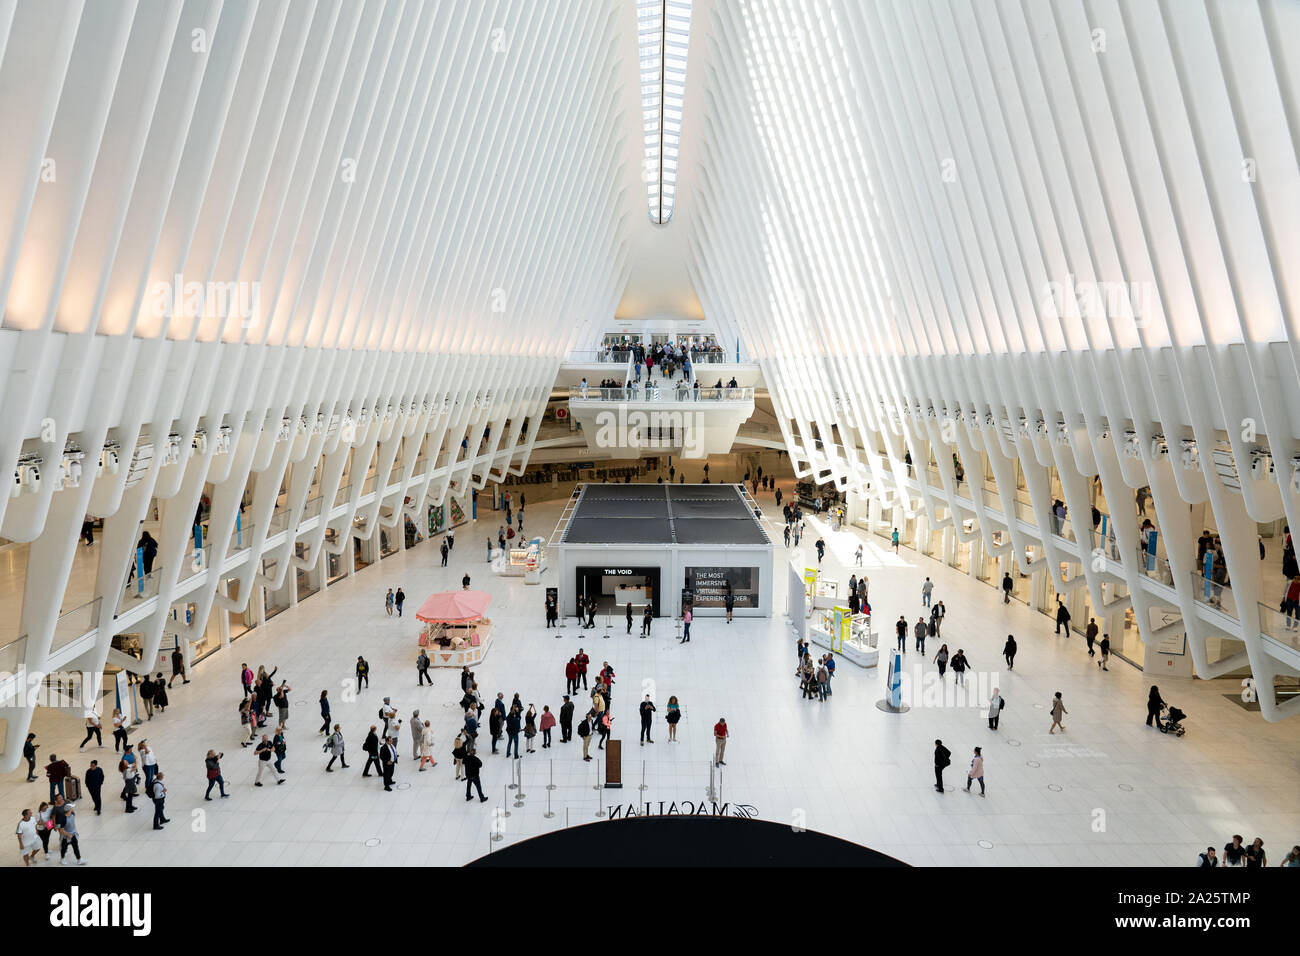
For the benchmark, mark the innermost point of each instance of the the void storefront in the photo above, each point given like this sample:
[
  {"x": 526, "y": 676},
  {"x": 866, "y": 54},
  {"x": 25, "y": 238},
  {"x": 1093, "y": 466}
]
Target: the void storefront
[
  {"x": 660, "y": 544},
  {"x": 615, "y": 587}
]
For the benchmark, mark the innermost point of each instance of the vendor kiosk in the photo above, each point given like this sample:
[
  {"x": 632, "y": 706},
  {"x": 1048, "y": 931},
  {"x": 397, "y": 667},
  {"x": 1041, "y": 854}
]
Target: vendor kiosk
[{"x": 457, "y": 631}]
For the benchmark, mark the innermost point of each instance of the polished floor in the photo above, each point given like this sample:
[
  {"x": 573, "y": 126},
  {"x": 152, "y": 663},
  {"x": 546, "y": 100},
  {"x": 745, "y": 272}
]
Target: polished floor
[{"x": 1109, "y": 792}]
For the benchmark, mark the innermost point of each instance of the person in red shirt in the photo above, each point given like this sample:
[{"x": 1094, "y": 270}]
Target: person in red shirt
[
  {"x": 582, "y": 660},
  {"x": 720, "y": 742},
  {"x": 571, "y": 676}
]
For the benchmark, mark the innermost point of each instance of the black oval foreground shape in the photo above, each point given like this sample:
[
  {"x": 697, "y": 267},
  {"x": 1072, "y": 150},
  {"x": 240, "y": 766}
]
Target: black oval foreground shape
[{"x": 693, "y": 841}]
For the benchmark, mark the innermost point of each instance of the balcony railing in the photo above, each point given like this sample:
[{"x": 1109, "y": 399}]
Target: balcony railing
[
  {"x": 75, "y": 623},
  {"x": 662, "y": 394},
  {"x": 1281, "y": 627},
  {"x": 12, "y": 656},
  {"x": 1206, "y": 591}
]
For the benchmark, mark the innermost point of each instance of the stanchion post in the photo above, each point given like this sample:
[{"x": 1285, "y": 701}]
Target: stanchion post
[
  {"x": 600, "y": 805},
  {"x": 642, "y": 788},
  {"x": 548, "y": 814},
  {"x": 551, "y": 785},
  {"x": 520, "y": 791},
  {"x": 505, "y": 802}
]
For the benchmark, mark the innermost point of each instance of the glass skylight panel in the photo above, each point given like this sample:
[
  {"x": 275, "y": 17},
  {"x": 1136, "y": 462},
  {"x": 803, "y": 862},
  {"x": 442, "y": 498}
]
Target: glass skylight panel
[{"x": 663, "y": 32}]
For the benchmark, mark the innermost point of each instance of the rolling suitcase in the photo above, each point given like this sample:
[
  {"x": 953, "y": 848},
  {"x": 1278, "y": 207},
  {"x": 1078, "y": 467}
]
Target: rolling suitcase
[{"x": 72, "y": 789}]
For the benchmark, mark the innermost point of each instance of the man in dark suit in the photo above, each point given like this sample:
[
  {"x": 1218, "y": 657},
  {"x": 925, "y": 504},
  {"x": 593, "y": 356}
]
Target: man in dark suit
[
  {"x": 473, "y": 765},
  {"x": 388, "y": 756},
  {"x": 94, "y": 783},
  {"x": 371, "y": 747},
  {"x": 566, "y": 720}
]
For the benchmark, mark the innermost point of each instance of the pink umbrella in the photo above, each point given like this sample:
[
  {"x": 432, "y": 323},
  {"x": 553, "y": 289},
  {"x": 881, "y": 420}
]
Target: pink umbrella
[{"x": 454, "y": 607}]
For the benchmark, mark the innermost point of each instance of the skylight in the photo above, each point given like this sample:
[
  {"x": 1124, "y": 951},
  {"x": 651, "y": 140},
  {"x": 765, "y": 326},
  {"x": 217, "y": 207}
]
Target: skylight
[{"x": 663, "y": 32}]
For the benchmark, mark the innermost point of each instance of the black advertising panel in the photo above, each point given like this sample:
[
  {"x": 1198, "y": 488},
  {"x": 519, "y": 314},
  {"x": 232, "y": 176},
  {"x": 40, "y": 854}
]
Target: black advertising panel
[{"x": 710, "y": 586}]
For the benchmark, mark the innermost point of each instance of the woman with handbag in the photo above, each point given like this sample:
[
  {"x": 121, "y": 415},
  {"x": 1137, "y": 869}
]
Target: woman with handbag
[
  {"x": 334, "y": 747},
  {"x": 426, "y": 746},
  {"x": 45, "y": 826}
]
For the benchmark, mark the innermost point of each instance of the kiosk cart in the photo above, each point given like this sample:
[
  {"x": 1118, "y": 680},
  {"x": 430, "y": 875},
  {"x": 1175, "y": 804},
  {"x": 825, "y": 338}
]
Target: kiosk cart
[{"x": 456, "y": 632}]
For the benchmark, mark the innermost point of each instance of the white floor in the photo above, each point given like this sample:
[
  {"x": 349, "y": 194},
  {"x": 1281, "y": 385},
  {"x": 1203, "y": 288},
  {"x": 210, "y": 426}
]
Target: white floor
[{"x": 1109, "y": 792}]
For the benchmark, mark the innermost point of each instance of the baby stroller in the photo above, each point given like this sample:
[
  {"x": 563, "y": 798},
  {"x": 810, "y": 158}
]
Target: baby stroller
[{"x": 1173, "y": 721}]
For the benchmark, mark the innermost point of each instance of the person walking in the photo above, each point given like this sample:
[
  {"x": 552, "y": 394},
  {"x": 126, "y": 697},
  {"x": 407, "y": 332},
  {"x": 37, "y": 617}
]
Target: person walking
[
  {"x": 720, "y": 734},
  {"x": 820, "y": 545},
  {"x": 959, "y": 665},
  {"x": 158, "y": 793},
  {"x": 426, "y": 744},
  {"x": 371, "y": 749},
  {"x": 996, "y": 703},
  {"x": 45, "y": 826},
  {"x": 29, "y": 841},
  {"x": 1155, "y": 704},
  {"x": 1007, "y": 585},
  {"x": 389, "y": 600},
  {"x": 417, "y": 735},
  {"x": 647, "y": 709},
  {"x": 941, "y": 658},
  {"x": 900, "y": 629},
  {"x": 363, "y": 672},
  {"x": 1009, "y": 652},
  {"x": 398, "y": 600},
  {"x": 265, "y": 752},
  {"x": 65, "y": 824},
  {"x": 920, "y": 630},
  {"x": 686, "y": 625},
  {"x": 160, "y": 700},
  {"x": 130, "y": 778},
  {"x": 147, "y": 690},
  {"x": 1105, "y": 652},
  {"x": 571, "y": 677},
  {"x": 444, "y": 550},
  {"x": 629, "y": 618},
  {"x": 324, "y": 712},
  {"x": 1090, "y": 635},
  {"x": 212, "y": 767},
  {"x": 893, "y": 539},
  {"x": 566, "y": 720},
  {"x": 246, "y": 679},
  {"x": 976, "y": 771},
  {"x": 942, "y": 757},
  {"x": 93, "y": 729},
  {"x": 472, "y": 766},
  {"x": 178, "y": 667},
  {"x": 95, "y": 785},
  {"x": 926, "y": 589},
  {"x": 1062, "y": 618},
  {"x": 56, "y": 772},
  {"x": 1058, "y": 711},
  {"x": 334, "y": 746}
]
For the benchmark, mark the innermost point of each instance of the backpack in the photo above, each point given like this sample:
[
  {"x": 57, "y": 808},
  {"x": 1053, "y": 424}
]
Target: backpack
[
  {"x": 1002, "y": 702},
  {"x": 381, "y": 713}
]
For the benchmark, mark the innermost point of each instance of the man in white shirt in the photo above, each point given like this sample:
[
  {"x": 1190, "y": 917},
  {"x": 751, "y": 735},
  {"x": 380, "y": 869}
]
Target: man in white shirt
[{"x": 387, "y": 712}]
